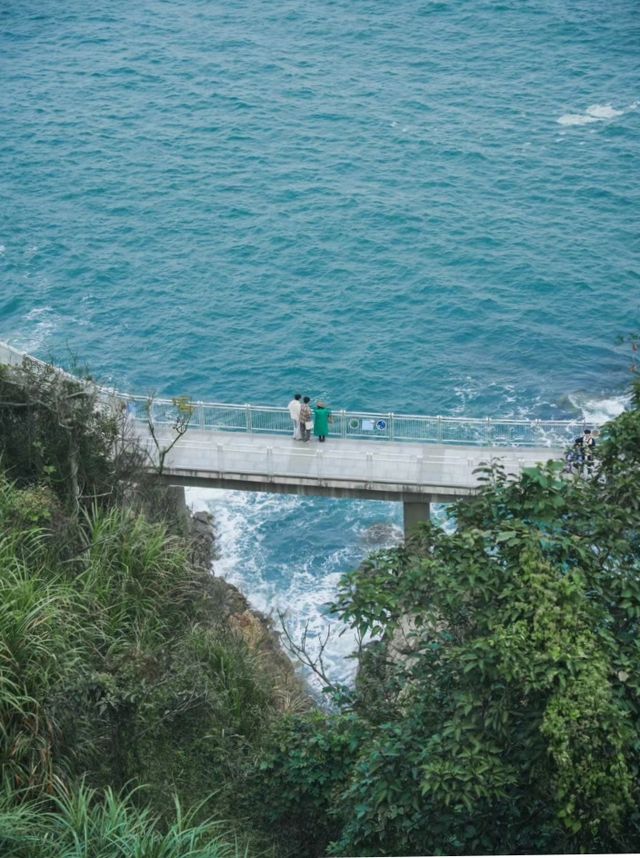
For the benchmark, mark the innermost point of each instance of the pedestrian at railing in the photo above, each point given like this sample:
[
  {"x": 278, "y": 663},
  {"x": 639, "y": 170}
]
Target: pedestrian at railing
[
  {"x": 294, "y": 410},
  {"x": 580, "y": 457},
  {"x": 306, "y": 419},
  {"x": 322, "y": 418}
]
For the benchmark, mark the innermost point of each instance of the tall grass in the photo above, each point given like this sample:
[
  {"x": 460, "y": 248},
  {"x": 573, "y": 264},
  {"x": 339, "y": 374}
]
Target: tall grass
[
  {"x": 36, "y": 648},
  {"x": 116, "y": 665},
  {"x": 87, "y": 824},
  {"x": 132, "y": 574}
]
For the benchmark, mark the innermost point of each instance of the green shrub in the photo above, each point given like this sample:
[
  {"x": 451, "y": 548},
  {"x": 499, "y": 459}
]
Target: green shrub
[
  {"x": 497, "y": 708},
  {"x": 56, "y": 433},
  {"x": 296, "y": 792},
  {"x": 86, "y": 823}
]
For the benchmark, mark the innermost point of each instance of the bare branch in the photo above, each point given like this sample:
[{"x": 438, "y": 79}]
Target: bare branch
[
  {"x": 301, "y": 651},
  {"x": 180, "y": 425}
]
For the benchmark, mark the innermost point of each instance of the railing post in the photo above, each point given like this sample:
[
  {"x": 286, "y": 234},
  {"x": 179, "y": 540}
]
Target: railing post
[
  {"x": 369, "y": 468},
  {"x": 249, "y": 422},
  {"x": 343, "y": 423},
  {"x": 201, "y": 421},
  {"x": 440, "y": 436},
  {"x": 487, "y": 430},
  {"x": 391, "y": 426}
]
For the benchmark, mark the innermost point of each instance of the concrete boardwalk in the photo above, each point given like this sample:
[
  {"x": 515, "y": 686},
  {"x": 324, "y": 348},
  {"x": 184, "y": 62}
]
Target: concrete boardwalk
[
  {"x": 339, "y": 468},
  {"x": 254, "y": 454}
]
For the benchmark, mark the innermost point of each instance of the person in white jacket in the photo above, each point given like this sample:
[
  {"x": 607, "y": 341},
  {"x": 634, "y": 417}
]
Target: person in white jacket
[{"x": 294, "y": 411}]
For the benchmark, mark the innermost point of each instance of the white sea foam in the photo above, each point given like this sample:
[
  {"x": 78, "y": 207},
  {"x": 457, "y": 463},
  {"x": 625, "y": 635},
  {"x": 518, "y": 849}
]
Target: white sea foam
[
  {"x": 603, "y": 111},
  {"x": 599, "y": 411},
  {"x": 594, "y": 113},
  {"x": 576, "y": 119},
  {"x": 44, "y": 321},
  {"x": 299, "y": 589}
]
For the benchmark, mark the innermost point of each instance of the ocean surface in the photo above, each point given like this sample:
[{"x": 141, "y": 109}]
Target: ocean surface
[{"x": 411, "y": 206}]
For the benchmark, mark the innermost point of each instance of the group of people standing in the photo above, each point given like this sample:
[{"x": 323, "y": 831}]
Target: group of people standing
[
  {"x": 304, "y": 418},
  {"x": 581, "y": 454}
]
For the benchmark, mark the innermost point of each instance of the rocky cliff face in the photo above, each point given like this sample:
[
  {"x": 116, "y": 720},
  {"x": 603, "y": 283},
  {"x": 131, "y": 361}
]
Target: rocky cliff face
[{"x": 229, "y": 606}]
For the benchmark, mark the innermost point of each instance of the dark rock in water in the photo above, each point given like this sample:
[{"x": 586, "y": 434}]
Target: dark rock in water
[
  {"x": 202, "y": 539},
  {"x": 382, "y": 533}
]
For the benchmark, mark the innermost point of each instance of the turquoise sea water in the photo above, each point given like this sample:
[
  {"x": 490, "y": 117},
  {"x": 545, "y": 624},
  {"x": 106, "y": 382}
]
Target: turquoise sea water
[{"x": 418, "y": 206}]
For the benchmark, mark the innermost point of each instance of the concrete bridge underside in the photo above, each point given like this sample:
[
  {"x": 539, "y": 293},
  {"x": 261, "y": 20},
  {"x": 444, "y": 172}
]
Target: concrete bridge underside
[{"x": 415, "y": 475}]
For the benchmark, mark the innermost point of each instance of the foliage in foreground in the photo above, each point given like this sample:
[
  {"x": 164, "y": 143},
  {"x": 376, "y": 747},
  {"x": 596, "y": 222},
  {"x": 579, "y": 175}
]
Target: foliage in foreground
[
  {"x": 497, "y": 710},
  {"x": 121, "y": 663},
  {"x": 83, "y": 823},
  {"x": 115, "y": 668}
]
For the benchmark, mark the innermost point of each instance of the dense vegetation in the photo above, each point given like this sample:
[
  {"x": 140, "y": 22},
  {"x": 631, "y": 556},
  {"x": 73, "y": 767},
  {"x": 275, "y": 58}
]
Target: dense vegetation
[
  {"x": 497, "y": 708},
  {"x": 497, "y": 704},
  {"x": 130, "y": 679}
]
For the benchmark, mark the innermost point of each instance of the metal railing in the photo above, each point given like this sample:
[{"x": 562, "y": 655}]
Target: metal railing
[
  {"x": 362, "y": 425},
  {"x": 371, "y": 426}
]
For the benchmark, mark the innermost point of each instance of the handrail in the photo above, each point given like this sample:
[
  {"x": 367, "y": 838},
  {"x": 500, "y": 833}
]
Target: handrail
[
  {"x": 364, "y": 425},
  {"x": 359, "y": 424}
]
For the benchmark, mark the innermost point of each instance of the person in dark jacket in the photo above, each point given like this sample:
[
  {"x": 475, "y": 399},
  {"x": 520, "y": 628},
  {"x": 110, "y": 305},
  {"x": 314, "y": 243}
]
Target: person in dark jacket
[{"x": 588, "y": 446}]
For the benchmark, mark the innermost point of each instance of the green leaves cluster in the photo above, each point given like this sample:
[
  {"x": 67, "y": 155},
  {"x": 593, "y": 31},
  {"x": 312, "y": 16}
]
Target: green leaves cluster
[
  {"x": 497, "y": 707},
  {"x": 299, "y": 779},
  {"x": 55, "y": 432}
]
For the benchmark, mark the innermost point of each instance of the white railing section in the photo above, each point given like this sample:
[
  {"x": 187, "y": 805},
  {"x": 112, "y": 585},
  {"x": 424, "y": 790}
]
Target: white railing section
[{"x": 363, "y": 425}]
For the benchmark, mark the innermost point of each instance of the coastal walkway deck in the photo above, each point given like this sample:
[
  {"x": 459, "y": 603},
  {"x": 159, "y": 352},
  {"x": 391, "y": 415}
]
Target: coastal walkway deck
[
  {"x": 414, "y": 474},
  {"x": 414, "y": 459}
]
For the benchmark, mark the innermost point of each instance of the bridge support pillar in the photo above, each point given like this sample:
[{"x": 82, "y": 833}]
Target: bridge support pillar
[
  {"x": 415, "y": 512},
  {"x": 178, "y": 503}
]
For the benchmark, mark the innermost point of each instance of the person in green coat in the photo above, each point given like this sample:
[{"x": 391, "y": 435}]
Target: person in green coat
[{"x": 321, "y": 420}]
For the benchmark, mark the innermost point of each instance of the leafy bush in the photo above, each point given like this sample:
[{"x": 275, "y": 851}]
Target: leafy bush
[
  {"x": 55, "y": 432},
  {"x": 497, "y": 707},
  {"x": 303, "y": 767}
]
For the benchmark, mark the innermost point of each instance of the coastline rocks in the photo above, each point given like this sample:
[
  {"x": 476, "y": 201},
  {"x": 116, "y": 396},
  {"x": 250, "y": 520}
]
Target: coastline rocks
[
  {"x": 382, "y": 534},
  {"x": 202, "y": 539},
  {"x": 229, "y": 607}
]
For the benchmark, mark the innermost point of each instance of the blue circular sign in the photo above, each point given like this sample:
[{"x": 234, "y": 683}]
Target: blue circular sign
[{"x": 381, "y": 425}]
